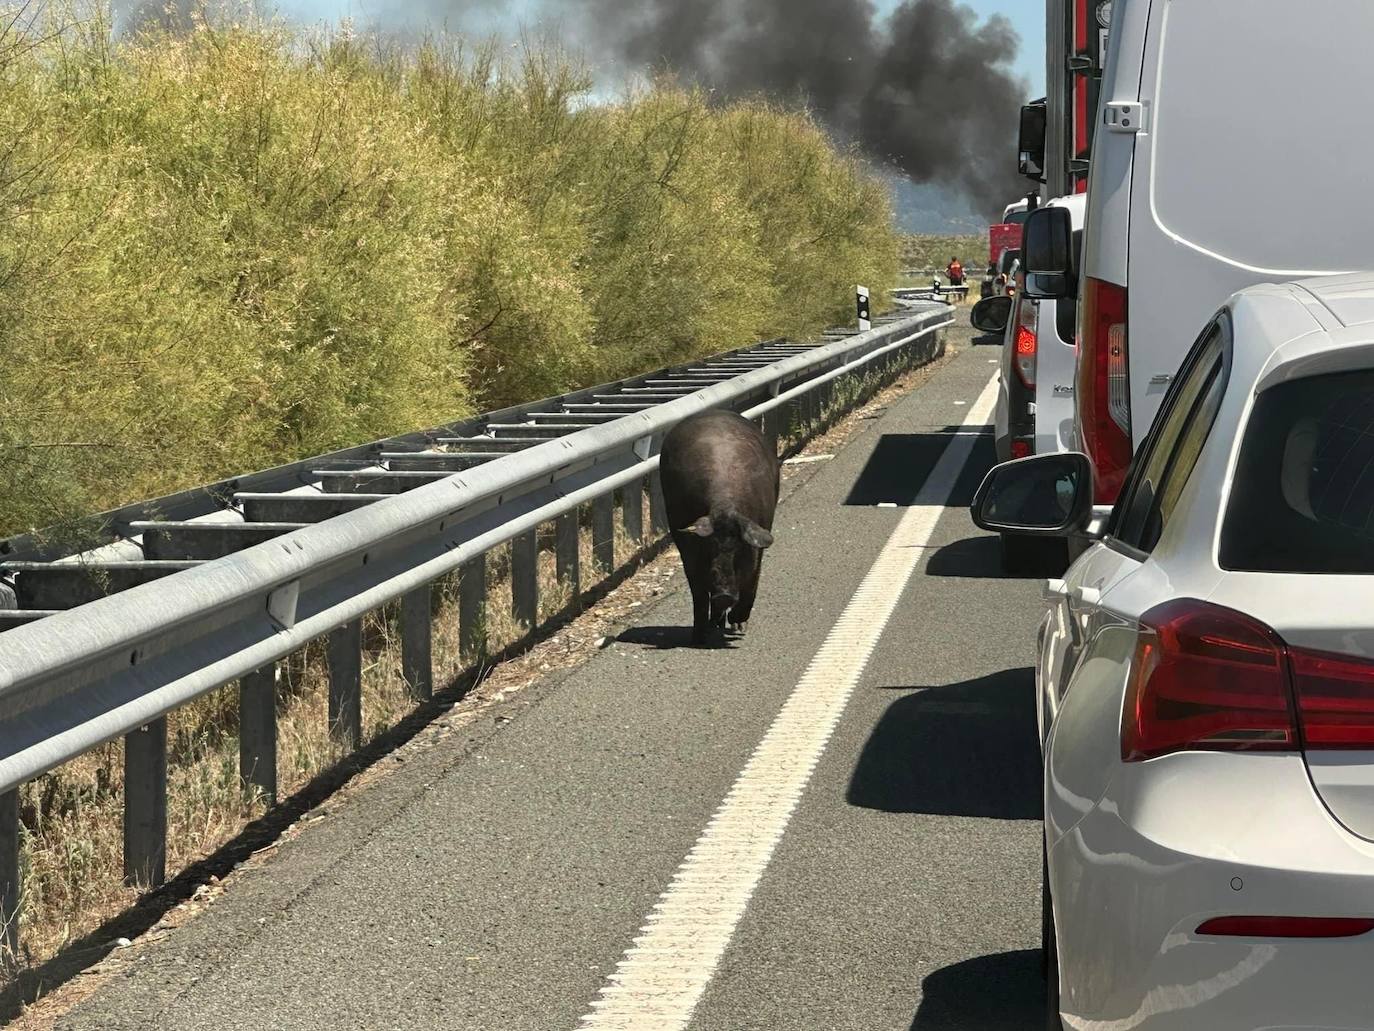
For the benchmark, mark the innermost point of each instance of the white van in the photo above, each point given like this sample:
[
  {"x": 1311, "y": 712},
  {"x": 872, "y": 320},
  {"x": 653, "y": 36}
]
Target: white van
[
  {"x": 1228, "y": 154},
  {"x": 1035, "y": 409}
]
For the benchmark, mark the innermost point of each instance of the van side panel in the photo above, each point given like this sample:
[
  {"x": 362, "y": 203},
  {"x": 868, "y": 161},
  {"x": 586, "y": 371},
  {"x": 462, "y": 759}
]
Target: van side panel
[
  {"x": 1250, "y": 168},
  {"x": 1109, "y": 191}
]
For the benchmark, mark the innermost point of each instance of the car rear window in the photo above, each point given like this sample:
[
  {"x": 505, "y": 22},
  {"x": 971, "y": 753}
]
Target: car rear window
[{"x": 1303, "y": 496}]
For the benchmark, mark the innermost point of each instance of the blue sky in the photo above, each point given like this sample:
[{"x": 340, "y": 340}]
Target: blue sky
[{"x": 1027, "y": 15}]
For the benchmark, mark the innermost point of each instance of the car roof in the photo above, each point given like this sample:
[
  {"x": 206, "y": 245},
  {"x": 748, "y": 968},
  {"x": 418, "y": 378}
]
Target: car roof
[
  {"x": 1286, "y": 331},
  {"x": 1077, "y": 203},
  {"x": 1349, "y": 298}
]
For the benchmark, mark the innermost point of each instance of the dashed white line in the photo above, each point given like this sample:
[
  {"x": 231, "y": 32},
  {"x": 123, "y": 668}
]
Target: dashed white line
[{"x": 661, "y": 977}]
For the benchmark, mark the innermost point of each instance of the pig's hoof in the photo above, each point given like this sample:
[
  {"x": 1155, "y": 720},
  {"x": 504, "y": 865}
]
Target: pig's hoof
[{"x": 738, "y": 629}]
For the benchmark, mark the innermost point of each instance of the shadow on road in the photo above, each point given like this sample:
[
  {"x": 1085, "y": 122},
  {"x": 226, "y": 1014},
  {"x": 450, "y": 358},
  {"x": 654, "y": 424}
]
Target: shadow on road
[
  {"x": 901, "y": 462},
  {"x": 981, "y": 558},
  {"x": 967, "y": 749},
  {"x": 666, "y": 638},
  {"x": 987, "y": 338},
  {"x": 1003, "y": 991}
]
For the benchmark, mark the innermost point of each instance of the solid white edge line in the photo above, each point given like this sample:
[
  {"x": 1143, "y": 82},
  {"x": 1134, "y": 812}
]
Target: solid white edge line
[{"x": 662, "y": 976}]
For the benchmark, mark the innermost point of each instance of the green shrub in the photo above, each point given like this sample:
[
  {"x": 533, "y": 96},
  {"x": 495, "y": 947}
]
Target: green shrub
[{"x": 235, "y": 246}]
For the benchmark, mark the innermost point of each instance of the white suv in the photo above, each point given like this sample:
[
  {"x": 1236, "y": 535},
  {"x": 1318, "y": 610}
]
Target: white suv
[{"x": 1206, "y": 685}]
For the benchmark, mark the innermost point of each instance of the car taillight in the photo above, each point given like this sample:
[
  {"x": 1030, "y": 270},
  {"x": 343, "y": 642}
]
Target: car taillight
[
  {"x": 1335, "y": 698},
  {"x": 1103, "y": 388},
  {"x": 1206, "y": 677},
  {"x": 1287, "y": 926},
  {"x": 1025, "y": 342}
]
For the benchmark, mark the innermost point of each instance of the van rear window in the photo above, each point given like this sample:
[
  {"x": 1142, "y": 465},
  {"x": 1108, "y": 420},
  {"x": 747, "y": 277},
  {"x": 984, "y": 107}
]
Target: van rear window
[{"x": 1303, "y": 496}]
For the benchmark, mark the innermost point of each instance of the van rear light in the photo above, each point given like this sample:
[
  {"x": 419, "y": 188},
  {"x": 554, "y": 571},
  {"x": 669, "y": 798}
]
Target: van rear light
[
  {"x": 1025, "y": 342},
  {"x": 1103, "y": 386},
  {"x": 1287, "y": 926},
  {"x": 1118, "y": 383},
  {"x": 1206, "y": 677},
  {"x": 1335, "y": 697}
]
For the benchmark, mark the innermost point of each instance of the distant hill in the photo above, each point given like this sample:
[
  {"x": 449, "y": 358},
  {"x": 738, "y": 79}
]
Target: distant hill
[{"x": 930, "y": 208}]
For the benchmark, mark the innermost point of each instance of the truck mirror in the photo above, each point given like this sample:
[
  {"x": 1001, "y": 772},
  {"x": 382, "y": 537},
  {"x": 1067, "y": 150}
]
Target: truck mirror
[
  {"x": 1031, "y": 142},
  {"x": 1047, "y": 254}
]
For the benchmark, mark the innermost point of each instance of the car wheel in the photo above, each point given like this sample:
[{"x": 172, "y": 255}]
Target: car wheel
[
  {"x": 1034, "y": 556},
  {"x": 1049, "y": 950}
]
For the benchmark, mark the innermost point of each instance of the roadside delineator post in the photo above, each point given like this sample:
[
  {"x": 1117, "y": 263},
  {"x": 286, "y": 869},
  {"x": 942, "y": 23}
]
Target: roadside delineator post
[{"x": 861, "y": 303}]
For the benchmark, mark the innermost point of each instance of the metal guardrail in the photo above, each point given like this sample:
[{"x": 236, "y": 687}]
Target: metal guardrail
[
  {"x": 73, "y": 679},
  {"x": 929, "y": 293}
]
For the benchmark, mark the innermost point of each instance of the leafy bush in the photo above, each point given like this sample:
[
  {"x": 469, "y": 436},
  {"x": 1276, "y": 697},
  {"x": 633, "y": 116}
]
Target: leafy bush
[{"x": 236, "y": 245}]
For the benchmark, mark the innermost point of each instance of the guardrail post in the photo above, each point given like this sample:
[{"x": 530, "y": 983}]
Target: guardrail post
[
  {"x": 827, "y": 394},
  {"x": 145, "y": 805},
  {"x": 346, "y": 684},
  {"x": 258, "y": 733},
  {"x": 658, "y": 511},
  {"x": 632, "y": 511},
  {"x": 568, "y": 554},
  {"x": 10, "y": 881},
  {"x": 603, "y": 533},
  {"x": 472, "y": 608},
  {"x": 524, "y": 578},
  {"x": 417, "y": 639},
  {"x": 770, "y": 428}
]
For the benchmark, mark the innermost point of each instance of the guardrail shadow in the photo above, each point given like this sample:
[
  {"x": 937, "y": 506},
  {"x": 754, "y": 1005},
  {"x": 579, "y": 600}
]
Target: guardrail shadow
[
  {"x": 901, "y": 463},
  {"x": 967, "y": 749},
  {"x": 1003, "y": 991}
]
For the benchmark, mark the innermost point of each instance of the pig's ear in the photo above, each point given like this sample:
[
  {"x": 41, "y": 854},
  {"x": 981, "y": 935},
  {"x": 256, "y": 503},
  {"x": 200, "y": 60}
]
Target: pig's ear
[
  {"x": 702, "y": 527},
  {"x": 754, "y": 534}
]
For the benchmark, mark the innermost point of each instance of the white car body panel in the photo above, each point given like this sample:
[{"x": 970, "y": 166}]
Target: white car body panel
[
  {"x": 1055, "y": 360},
  {"x": 1141, "y": 853}
]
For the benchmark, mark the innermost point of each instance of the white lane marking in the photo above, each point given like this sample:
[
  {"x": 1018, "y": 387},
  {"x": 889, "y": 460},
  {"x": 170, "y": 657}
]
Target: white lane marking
[{"x": 663, "y": 974}]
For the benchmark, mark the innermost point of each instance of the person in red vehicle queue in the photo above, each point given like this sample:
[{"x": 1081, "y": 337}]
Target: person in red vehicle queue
[{"x": 954, "y": 272}]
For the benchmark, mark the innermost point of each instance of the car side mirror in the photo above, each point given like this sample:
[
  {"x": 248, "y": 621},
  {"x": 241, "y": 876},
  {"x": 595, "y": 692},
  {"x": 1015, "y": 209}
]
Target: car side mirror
[
  {"x": 1047, "y": 495},
  {"x": 990, "y": 315},
  {"x": 1047, "y": 254},
  {"x": 1030, "y": 144}
]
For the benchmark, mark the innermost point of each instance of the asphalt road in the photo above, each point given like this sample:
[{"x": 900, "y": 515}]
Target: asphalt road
[{"x": 496, "y": 880}]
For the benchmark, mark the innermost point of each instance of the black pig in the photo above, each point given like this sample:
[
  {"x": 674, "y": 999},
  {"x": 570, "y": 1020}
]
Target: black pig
[{"x": 720, "y": 488}]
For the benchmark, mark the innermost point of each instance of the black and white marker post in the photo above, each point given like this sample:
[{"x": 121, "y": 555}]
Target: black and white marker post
[{"x": 861, "y": 301}]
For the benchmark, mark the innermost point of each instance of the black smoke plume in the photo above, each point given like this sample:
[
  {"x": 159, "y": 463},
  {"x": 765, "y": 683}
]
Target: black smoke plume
[{"x": 928, "y": 90}]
